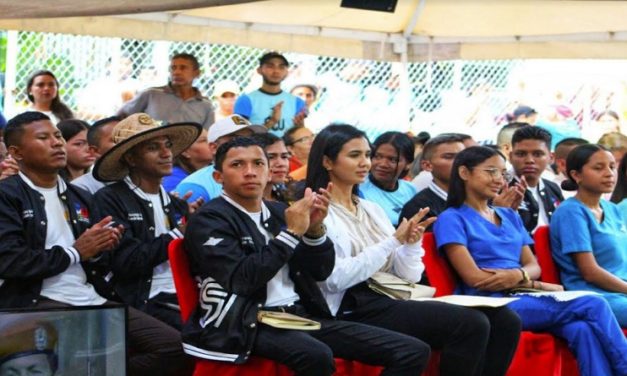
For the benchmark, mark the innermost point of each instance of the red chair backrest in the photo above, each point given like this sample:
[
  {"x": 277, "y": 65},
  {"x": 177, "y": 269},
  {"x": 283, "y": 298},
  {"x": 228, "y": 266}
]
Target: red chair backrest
[
  {"x": 439, "y": 272},
  {"x": 186, "y": 288},
  {"x": 542, "y": 247}
]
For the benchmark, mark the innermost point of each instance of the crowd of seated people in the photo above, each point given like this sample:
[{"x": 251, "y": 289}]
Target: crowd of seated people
[{"x": 281, "y": 220}]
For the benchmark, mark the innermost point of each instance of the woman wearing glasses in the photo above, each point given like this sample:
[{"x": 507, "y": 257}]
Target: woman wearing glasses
[
  {"x": 472, "y": 341},
  {"x": 392, "y": 155},
  {"x": 298, "y": 140},
  {"x": 489, "y": 249}
]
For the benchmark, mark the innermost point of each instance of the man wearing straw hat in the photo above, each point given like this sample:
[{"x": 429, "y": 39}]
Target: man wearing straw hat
[{"x": 143, "y": 154}]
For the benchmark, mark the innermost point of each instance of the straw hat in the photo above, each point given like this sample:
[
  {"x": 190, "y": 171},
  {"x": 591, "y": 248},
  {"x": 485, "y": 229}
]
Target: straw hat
[{"x": 134, "y": 130}]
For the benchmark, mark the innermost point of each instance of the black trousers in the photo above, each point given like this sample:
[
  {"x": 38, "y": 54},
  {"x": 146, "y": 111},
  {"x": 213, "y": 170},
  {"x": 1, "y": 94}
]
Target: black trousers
[
  {"x": 310, "y": 353},
  {"x": 472, "y": 341},
  {"x": 154, "y": 347},
  {"x": 165, "y": 307}
]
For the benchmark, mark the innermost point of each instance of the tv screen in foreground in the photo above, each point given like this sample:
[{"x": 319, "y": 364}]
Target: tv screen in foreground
[{"x": 64, "y": 341}]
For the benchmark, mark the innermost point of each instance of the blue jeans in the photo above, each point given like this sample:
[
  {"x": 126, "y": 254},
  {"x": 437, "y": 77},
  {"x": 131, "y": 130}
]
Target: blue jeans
[{"x": 586, "y": 323}]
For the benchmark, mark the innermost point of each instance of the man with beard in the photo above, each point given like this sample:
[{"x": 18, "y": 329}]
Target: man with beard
[{"x": 269, "y": 105}]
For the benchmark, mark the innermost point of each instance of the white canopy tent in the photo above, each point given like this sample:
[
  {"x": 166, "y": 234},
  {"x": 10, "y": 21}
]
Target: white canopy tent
[{"x": 418, "y": 30}]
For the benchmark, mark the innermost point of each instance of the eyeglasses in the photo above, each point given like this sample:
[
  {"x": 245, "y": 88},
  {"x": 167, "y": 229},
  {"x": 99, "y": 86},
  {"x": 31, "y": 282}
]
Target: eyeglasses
[
  {"x": 309, "y": 138},
  {"x": 495, "y": 173}
]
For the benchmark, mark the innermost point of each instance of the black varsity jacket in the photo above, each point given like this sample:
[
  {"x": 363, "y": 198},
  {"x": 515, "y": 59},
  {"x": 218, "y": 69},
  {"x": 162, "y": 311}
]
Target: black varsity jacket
[
  {"x": 529, "y": 210},
  {"x": 132, "y": 262},
  {"x": 233, "y": 263},
  {"x": 24, "y": 261}
]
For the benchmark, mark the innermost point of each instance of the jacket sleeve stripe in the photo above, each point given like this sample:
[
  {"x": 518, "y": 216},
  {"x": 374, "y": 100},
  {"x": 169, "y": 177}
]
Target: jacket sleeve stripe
[
  {"x": 287, "y": 239},
  {"x": 314, "y": 242},
  {"x": 75, "y": 257},
  {"x": 214, "y": 355}
]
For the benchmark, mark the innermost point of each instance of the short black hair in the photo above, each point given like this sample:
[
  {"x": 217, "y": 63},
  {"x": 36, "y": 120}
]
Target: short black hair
[
  {"x": 272, "y": 55},
  {"x": 237, "y": 142},
  {"x": 189, "y": 57},
  {"x": 266, "y": 139},
  {"x": 94, "y": 132},
  {"x": 15, "y": 127},
  {"x": 564, "y": 146},
  {"x": 531, "y": 132},
  {"x": 444, "y": 138},
  {"x": 288, "y": 136},
  {"x": 505, "y": 133}
]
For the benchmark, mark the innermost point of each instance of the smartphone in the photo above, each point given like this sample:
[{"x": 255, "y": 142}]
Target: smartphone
[{"x": 110, "y": 224}]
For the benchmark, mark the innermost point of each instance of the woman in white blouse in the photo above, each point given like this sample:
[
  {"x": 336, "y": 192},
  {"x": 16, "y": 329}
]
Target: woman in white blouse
[{"x": 472, "y": 341}]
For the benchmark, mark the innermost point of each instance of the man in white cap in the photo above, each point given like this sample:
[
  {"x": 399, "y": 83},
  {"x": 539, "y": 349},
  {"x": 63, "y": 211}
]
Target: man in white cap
[
  {"x": 142, "y": 155},
  {"x": 201, "y": 183}
]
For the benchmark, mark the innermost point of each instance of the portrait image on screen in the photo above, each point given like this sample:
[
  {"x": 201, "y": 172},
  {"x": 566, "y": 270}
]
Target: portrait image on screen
[{"x": 63, "y": 341}]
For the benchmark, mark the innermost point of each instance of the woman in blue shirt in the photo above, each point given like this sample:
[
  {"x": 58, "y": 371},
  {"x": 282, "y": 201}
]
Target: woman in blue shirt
[
  {"x": 392, "y": 155},
  {"x": 489, "y": 248},
  {"x": 588, "y": 235}
]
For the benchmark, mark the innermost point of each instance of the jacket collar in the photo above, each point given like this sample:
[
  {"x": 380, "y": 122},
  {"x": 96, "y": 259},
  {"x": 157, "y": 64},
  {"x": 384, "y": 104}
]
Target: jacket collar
[
  {"x": 165, "y": 198},
  {"x": 265, "y": 212},
  {"x": 61, "y": 185}
]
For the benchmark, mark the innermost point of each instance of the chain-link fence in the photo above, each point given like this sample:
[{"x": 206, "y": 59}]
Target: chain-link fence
[{"x": 97, "y": 74}]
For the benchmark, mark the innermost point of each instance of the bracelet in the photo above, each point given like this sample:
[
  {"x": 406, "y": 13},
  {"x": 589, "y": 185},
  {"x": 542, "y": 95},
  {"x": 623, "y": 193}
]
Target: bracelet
[
  {"x": 318, "y": 234},
  {"x": 525, "y": 275}
]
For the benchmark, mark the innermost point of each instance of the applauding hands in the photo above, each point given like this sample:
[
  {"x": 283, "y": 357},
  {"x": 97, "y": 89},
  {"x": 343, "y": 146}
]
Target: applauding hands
[{"x": 410, "y": 231}]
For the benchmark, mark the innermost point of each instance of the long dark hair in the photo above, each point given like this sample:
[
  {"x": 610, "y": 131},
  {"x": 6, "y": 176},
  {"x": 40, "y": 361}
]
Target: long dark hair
[
  {"x": 401, "y": 142},
  {"x": 620, "y": 192},
  {"x": 70, "y": 128},
  {"x": 469, "y": 158},
  {"x": 329, "y": 143},
  {"x": 576, "y": 159},
  {"x": 58, "y": 108}
]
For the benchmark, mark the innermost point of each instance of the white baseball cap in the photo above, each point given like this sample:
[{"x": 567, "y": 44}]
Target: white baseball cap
[
  {"x": 231, "y": 124},
  {"x": 225, "y": 86}
]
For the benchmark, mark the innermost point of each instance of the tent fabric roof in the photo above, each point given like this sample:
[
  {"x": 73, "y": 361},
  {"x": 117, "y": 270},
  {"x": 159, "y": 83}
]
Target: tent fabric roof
[{"x": 424, "y": 29}]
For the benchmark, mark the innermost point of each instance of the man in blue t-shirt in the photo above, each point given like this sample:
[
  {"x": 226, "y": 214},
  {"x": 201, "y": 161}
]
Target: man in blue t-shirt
[{"x": 269, "y": 105}]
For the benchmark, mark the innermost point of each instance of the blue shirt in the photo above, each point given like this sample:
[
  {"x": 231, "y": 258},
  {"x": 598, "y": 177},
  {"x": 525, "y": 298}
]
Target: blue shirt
[
  {"x": 391, "y": 201},
  {"x": 490, "y": 245},
  {"x": 170, "y": 182},
  {"x": 575, "y": 229},
  {"x": 201, "y": 184},
  {"x": 622, "y": 207},
  {"x": 257, "y": 107}
]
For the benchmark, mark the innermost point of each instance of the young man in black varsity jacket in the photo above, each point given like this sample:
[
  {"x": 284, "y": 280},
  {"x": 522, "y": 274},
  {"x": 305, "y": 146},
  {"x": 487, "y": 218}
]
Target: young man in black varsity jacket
[
  {"x": 249, "y": 254},
  {"x": 530, "y": 156},
  {"x": 143, "y": 154}
]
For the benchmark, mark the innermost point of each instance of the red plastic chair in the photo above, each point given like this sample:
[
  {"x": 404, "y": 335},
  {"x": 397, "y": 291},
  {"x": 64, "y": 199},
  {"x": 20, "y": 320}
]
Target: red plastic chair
[
  {"x": 542, "y": 248},
  {"x": 187, "y": 292},
  {"x": 538, "y": 354}
]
